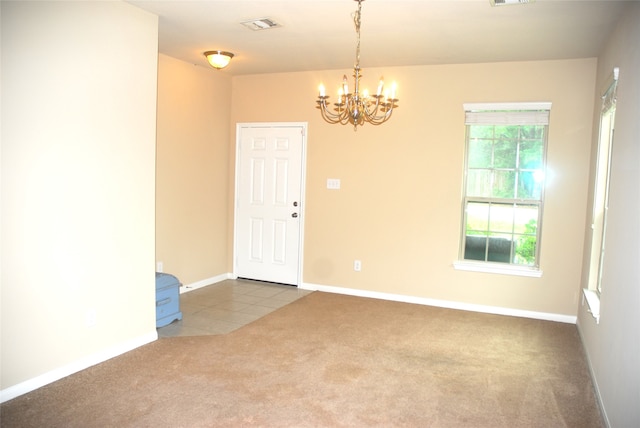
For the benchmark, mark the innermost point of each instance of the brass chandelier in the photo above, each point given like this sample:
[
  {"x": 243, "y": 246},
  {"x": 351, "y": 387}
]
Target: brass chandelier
[{"x": 353, "y": 107}]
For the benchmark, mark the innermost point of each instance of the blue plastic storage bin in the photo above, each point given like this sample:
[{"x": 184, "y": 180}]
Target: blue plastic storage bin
[{"x": 167, "y": 299}]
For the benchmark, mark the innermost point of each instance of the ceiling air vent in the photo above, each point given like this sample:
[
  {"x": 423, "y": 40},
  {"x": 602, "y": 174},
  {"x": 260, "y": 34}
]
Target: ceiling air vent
[
  {"x": 506, "y": 2},
  {"x": 260, "y": 24}
]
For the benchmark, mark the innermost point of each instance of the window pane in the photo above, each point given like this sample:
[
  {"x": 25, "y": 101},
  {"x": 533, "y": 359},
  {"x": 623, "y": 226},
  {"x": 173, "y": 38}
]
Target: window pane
[
  {"x": 477, "y": 218},
  {"x": 531, "y": 153},
  {"x": 525, "y": 251},
  {"x": 479, "y": 153},
  {"x": 479, "y": 182},
  {"x": 526, "y": 225},
  {"x": 530, "y": 184},
  {"x": 504, "y": 184},
  {"x": 475, "y": 248},
  {"x": 501, "y": 218},
  {"x": 481, "y": 131},
  {"x": 507, "y": 132},
  {"x": 531, "y": 175},
  {"x": 499, "y": 249},
  {"x": 526, "y": 219},
  {"x": 505, "y": 154},
  {"x": 532, "y": 132}
]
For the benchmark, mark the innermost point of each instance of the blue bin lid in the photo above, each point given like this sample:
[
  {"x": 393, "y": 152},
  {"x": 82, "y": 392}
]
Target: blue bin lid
[{"x": 165, "y": 280}]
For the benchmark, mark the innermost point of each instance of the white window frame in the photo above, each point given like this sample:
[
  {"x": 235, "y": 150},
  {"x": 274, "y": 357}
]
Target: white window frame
[
  {"x": 535, "y": 113},
  {"x": 600, "y": 201}
]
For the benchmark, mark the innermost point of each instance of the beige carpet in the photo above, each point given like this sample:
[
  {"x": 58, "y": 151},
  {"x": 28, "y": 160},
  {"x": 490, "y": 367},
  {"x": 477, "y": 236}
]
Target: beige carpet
[{"x": 330, "y": 361}]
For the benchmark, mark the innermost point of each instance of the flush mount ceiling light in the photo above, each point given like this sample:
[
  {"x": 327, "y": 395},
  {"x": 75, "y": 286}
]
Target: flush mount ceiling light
[
  {"x": 218, "y": 59},
  {"x": 353, "y": 107}
]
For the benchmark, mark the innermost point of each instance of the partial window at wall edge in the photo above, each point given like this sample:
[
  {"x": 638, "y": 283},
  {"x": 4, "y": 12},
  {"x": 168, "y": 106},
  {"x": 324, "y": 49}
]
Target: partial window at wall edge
[{"x": 600, "y": 195}]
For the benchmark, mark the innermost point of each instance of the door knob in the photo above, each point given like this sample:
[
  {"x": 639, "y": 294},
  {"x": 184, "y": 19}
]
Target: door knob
[
  {"x": 294, "y": 215},
  {"x": 295, "y": 204}
]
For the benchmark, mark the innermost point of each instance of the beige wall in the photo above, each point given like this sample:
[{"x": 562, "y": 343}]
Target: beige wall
[
  {"x": 192, "y": 170},
  {"x": 399, "y": 208},
  {"x": 78, "y": 158},
  {"x": 613, "y": 345},
  {"x": 79, "y": 195}
]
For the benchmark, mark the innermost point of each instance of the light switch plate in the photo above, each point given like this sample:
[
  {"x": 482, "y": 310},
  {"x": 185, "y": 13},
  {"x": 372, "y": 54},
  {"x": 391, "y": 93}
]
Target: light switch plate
[{"x": 333, "y": 183}]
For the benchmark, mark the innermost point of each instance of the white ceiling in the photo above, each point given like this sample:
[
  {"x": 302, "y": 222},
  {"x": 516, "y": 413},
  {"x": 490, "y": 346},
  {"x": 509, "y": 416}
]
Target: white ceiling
[{"x": 320, "y": 34}]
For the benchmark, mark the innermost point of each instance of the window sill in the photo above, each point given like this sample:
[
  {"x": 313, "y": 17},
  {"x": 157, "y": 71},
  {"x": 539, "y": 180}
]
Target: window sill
[
  {"x": 499, "y": 268},
  {"x": 593, "y": 303}
]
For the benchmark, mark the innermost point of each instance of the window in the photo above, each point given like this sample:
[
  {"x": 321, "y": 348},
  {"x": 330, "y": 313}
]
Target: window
[
  {"x": 504, "y": 184},
  {"x": 601, "y": 193}
]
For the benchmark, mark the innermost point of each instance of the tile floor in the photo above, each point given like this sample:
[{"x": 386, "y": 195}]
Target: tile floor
[{"x": 228, "y": 305}]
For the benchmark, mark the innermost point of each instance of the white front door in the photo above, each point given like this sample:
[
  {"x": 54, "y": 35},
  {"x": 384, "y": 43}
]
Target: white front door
[{"x": 269, "y": 177}]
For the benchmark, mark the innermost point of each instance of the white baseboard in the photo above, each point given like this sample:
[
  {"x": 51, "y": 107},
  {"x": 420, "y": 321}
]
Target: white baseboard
[
  {"x": 203, "y": 283},
  {"x": 57, "y": 374},
  {"x": 442, "y": 303}
]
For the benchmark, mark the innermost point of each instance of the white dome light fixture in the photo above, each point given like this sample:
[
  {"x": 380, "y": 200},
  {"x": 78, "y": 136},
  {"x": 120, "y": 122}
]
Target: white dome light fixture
[{"x": 218, "y": 59}]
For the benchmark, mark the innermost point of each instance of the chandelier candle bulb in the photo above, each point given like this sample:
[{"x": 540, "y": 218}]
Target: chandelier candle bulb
[
  {"x": 380, "y": 86},
  {"x": 321, "y": 90}
]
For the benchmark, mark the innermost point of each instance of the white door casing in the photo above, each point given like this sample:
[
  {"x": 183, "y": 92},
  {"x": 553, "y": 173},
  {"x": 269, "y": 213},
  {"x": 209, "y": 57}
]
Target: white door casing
[{"x": 269, "y": 201}]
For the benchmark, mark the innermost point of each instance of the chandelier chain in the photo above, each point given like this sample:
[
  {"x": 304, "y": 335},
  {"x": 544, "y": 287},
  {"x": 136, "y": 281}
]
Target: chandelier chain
[{"x": 357, "y": 21}]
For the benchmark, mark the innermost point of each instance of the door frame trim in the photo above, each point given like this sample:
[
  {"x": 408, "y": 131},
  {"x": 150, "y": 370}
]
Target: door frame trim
[{"x": 303, "y": 176}]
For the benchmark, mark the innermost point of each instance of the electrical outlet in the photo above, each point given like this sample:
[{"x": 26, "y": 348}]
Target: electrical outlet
[
  {"x": 357, "y": 265},
  {"x": 159, "y": 267}
]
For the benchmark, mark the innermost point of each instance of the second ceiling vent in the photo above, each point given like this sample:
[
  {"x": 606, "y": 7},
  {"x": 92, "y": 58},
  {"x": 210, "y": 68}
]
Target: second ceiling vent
[{"x": 261, "y": 24}]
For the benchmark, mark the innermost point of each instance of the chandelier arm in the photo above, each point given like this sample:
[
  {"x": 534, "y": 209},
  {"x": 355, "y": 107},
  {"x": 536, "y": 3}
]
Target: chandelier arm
[
  {"x": 381, "y": 119},
  {"x": 373, "y": 117},
  {"x": 341, "y": 117},
  {"x": 373, "y": 113},
  {"x": 326, "y": 114}
]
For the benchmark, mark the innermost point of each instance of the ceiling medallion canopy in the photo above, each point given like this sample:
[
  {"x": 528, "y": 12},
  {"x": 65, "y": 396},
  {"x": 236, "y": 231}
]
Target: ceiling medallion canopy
[{"x": 352, "y": 106}]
